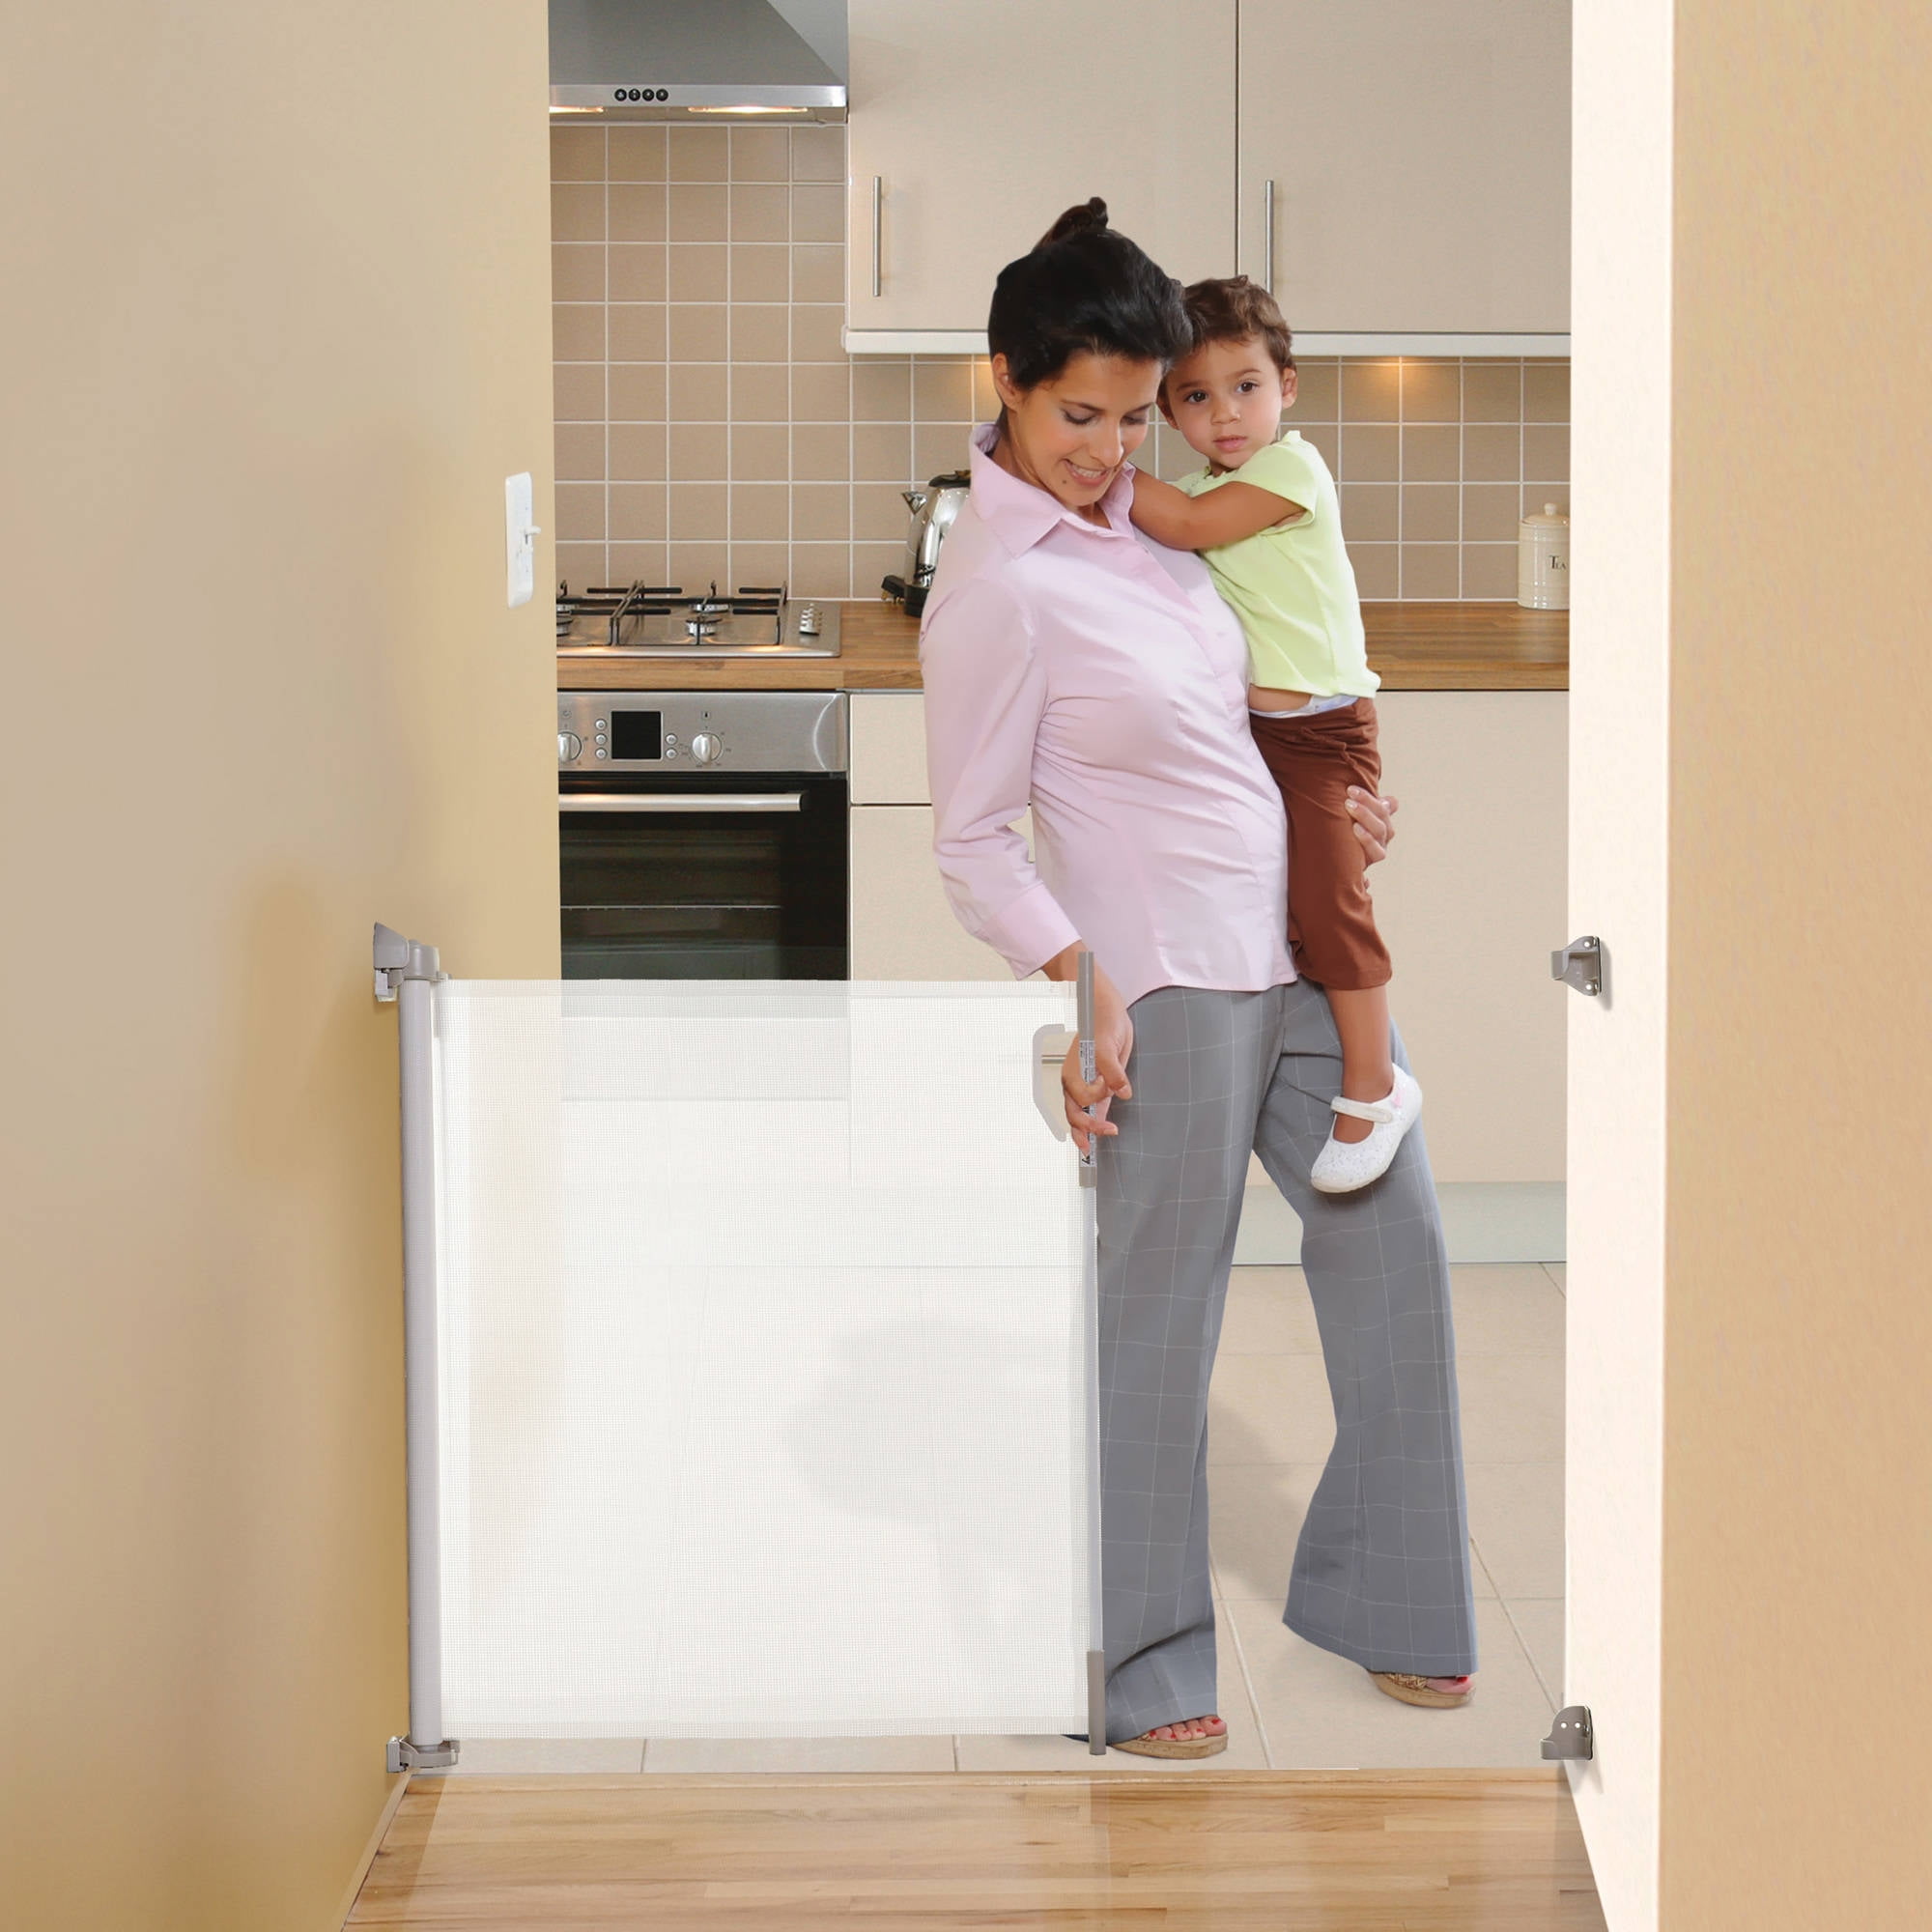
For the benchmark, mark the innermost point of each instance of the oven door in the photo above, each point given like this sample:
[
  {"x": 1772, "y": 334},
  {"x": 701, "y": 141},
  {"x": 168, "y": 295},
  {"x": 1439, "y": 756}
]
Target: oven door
[{"x": 704, "y": 876}]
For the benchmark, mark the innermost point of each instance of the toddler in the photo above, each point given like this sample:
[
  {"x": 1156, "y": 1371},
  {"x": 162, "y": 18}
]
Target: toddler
[{"x": 1265, "y": 515}]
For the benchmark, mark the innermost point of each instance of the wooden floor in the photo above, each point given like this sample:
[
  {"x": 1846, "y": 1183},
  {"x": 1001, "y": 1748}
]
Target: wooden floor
[{"x": 1495, "y": 1851}]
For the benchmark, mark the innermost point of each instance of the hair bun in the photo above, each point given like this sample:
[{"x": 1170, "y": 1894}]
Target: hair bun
[{"x": 1085, "y": 217}]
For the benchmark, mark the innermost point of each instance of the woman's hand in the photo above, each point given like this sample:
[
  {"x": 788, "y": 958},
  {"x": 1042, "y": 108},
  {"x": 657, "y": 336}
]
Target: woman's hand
[
  {"x": 1112, "y": 1046},
  {"x": 1374, "y": 822}
]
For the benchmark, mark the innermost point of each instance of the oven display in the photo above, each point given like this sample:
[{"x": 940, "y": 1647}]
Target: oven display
[{"x": 637, "y": 734}]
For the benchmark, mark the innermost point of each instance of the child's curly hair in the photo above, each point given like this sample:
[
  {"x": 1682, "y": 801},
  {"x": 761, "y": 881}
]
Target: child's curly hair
[{"x": 1234, "y": 308}]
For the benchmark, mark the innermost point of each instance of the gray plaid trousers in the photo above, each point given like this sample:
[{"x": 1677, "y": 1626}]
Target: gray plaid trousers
[{"x": 1382, "y": 1573}]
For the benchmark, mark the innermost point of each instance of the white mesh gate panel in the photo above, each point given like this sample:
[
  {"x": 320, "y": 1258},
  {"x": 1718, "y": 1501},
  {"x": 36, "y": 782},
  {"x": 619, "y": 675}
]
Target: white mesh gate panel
[{"x": 763, "y": 1363}]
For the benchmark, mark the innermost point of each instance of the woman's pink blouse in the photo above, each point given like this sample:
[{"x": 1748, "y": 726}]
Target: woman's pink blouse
[{"x": 1098, "y": 678}]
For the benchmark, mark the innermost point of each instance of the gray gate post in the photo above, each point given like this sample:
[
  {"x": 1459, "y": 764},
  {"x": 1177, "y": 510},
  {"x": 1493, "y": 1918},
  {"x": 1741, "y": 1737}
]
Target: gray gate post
[{"x": 407, "y": 973}]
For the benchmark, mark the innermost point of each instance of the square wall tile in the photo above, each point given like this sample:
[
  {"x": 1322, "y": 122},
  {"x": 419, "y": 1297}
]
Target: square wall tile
[
  {"x": 697, "y": 393},
  {"x": 1490, "y": 512},
  {"x": 583, "y": 565},
  {"x": 580, "y": 452},
  {"x": 821, "y": 569},
  {"x": 700, "y": 511},
  {"x": 760, "y": 273},
  {"x": 578, "y": 391},
  {"x": 637, "y": 213},
  {"x": 1318, "y": 393},
  {"x": 821, "y": 512},
  {"x": 822, "y": 452},
  {"x": 1371, "y": 512},
  {"x": 879, "y": 514},
  {"x": 759, "y": 565},
  {"x": 1432, "y": 392},
  {"x": 1370, "y": 453},
  {"x": 1371, "y": 391},
  {"x": 637, "y": 331},
  {"x": 638, "y": 154},
  {"x": 761, "y": 453},
  {"x": 761, "y": 153},
  {"x": 577, "y": 331},
  {"x": 634, "y": 563},
  {"x": 1545, "y": 453},
  {"x": 699, "y": 153},
  {"x": 818, "y": 212},
  {"x": 698, "y": 565},
  {"x": 882, "y": 453},
  {"x": 1431, "y": 513},
  {"x": 818, "y": 274},
  {"x": 761, "y": 512},
  {"x": 942, "y": 390},
  {"x": 817, "y": 332},
  {"x": 1377, "y": 571},
  {"x": 821, "y": 392},
  {"x": 700, "y": 271},
  {"x": 1430, "y": 571},
  {"x": 576, "y": 272},
  {"x": 699, "y": 213},
  {"x": 760, "y": 392},
  {"x": 576, "y": 213},
  {"x": 1431, "y": 453},
  {"x": 1492, "y": 392},
  {"x": 637, "y": 452},
  {"x": 699, "y": 452},
  {"x": 1491, "y": 454},
  {"x": 1546, "y": 392},
  {"x": 577, "y": 155},
  {"x": 872, "y": 562},
  {"x": 819, "y": 154},
  {"x": 579, "y": 512},
  {"x": 940, "y": 448},
  {"x": 760, "y": 214},
  {"x": 697, "y": 332},
  {"x": 1489, "y": 571},
  {"x": 637, "y": 513},
  {"x": 638, "y": 272}
]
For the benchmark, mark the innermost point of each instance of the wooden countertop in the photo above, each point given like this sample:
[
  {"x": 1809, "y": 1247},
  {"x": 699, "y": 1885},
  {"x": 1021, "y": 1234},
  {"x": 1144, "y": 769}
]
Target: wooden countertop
[{"x": 1414, "y": 646}]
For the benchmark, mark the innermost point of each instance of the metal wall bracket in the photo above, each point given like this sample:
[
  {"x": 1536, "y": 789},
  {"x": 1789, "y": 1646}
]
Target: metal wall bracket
[
  {"x": 397, "y": 959},
  {"x": 1580, "y": 965},
  {"x": 405, "y": 1756},
  {"x": 1572, "y": 1735}
]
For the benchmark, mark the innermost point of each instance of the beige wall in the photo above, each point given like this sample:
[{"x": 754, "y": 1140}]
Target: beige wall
[
  {"x": 275, "y": 331},
  {"x": 699, "y": 275},
  {"x": 1798, "y": 1559}
]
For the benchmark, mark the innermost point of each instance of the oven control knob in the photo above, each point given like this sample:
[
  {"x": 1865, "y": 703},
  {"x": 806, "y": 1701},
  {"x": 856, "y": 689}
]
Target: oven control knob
[
  {"x": 568, "y": 746},
  {"x": 706, "y": 748}
]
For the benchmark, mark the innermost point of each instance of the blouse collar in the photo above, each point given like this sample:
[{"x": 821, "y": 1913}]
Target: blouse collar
[{"x": 1021, "y": 513}]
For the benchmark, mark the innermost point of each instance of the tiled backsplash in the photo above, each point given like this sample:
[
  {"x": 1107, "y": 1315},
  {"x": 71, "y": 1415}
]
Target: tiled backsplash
[{"x": 710, "y": 427}]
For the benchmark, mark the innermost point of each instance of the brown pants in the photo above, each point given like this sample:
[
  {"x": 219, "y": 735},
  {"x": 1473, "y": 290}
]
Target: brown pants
[{"x": 1331, "y": 920}]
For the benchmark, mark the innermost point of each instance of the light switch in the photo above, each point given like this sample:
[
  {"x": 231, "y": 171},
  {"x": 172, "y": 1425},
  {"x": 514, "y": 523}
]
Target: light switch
[{"x": 519, "y": 538}]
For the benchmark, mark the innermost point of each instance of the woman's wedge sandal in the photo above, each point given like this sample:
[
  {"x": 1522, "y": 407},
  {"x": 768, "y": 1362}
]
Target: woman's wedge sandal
[
  {"x": 1146, "y": 1745},
  {"x": 1405, "y": 1688},
  {"x": 1342, "y": 1166}
]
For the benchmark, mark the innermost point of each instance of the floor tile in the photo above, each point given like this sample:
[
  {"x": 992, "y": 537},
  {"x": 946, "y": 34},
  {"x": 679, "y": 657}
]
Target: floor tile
[
  {"x": 1516, "y": 1516},
  {"x": 1258, "y": 1509},
  {"x": 1507, "y": 1311},
  {"x": 1539, "y": 1624},
  {"x": 1268, "y": 1313},
  {"x": 1558, "y": 1272},
  {"x": 1269, "y": 1409},
  {"x": 1320, "y": 1711},
  {"x": 1246, "y": 1751},
  {"x": 515, "y": 1758},
  {"x": 1511, "y": 1408},
  {"x": 797, "y": 1755}
]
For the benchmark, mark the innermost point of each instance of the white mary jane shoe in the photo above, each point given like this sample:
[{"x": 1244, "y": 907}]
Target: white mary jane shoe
[{"x": 1342, "y": 1166}]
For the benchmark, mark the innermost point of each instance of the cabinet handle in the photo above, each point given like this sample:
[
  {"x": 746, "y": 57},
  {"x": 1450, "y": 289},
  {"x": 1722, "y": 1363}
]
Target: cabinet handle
[
  {"x": 1267, "y": 235},
  {"x": 878, "y": 232}
]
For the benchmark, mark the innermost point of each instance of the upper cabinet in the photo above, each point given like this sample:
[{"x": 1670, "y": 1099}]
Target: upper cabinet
[
  {"x": 973, "y": 126},
  {"x": 1413, "y": 156}
]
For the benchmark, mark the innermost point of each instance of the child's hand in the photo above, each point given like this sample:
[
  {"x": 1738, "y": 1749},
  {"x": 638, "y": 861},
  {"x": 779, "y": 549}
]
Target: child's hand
[{"x": 1372, "y": 822}]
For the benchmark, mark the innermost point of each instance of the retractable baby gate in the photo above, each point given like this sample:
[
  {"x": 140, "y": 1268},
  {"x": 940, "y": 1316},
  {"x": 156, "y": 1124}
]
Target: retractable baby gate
[{"x": 751, "y": 1356}]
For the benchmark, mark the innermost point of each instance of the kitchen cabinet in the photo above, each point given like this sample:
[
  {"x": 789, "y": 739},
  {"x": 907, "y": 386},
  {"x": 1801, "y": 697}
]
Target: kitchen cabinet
[
  {"x": 1414, "y": 155},
  {"x": 980, "y": 124},
  {"x": 903, "y": 926}
]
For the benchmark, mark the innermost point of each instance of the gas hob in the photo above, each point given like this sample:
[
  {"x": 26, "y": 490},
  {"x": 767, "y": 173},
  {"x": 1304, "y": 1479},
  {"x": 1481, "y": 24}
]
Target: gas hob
[{"x": 659, "y": 620}]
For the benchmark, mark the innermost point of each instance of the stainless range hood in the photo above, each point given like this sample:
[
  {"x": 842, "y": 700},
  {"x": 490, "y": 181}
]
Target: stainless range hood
[{"x": 673, "y": 60}]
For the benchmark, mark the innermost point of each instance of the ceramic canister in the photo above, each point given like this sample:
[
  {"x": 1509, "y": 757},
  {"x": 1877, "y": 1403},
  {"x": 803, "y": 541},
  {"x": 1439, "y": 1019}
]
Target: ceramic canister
[{"x": 1543, "y": 560}]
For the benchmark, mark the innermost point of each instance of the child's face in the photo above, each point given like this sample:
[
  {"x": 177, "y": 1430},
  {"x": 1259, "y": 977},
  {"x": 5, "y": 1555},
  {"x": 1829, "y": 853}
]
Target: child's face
[{"x": 1226, "y": 398}]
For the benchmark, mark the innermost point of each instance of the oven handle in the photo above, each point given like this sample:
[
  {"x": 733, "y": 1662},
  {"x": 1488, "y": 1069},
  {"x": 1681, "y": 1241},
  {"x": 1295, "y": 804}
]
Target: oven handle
[{"x": 683, "y": 801}]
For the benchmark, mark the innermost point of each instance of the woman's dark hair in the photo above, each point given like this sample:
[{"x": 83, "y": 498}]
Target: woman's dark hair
[{"x": 1084, "y": 287}]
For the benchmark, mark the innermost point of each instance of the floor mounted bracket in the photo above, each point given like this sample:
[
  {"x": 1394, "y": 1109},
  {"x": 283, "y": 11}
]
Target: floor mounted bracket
[{"x": 405, "y": 1756}]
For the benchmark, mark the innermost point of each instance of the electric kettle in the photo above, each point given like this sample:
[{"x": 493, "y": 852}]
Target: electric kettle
[{"x": 933, "y": 510}]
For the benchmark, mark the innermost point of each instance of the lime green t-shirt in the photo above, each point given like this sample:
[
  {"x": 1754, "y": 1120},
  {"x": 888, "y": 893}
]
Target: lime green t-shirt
[{"x": 1292, "y": 587}]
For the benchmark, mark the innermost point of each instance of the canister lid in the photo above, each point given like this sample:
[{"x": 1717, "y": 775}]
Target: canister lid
[{"x": 1551, "y": 519}]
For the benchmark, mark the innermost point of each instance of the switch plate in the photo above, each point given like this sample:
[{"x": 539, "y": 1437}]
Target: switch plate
[{"x": 519, "y": 538}]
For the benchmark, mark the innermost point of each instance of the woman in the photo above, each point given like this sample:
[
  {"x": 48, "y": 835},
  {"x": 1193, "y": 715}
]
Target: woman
[{"x": 1074, "y": 667}]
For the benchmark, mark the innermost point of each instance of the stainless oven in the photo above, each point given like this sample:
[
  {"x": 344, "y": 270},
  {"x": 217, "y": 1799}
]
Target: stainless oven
[{"x": 703, "y": 835}]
